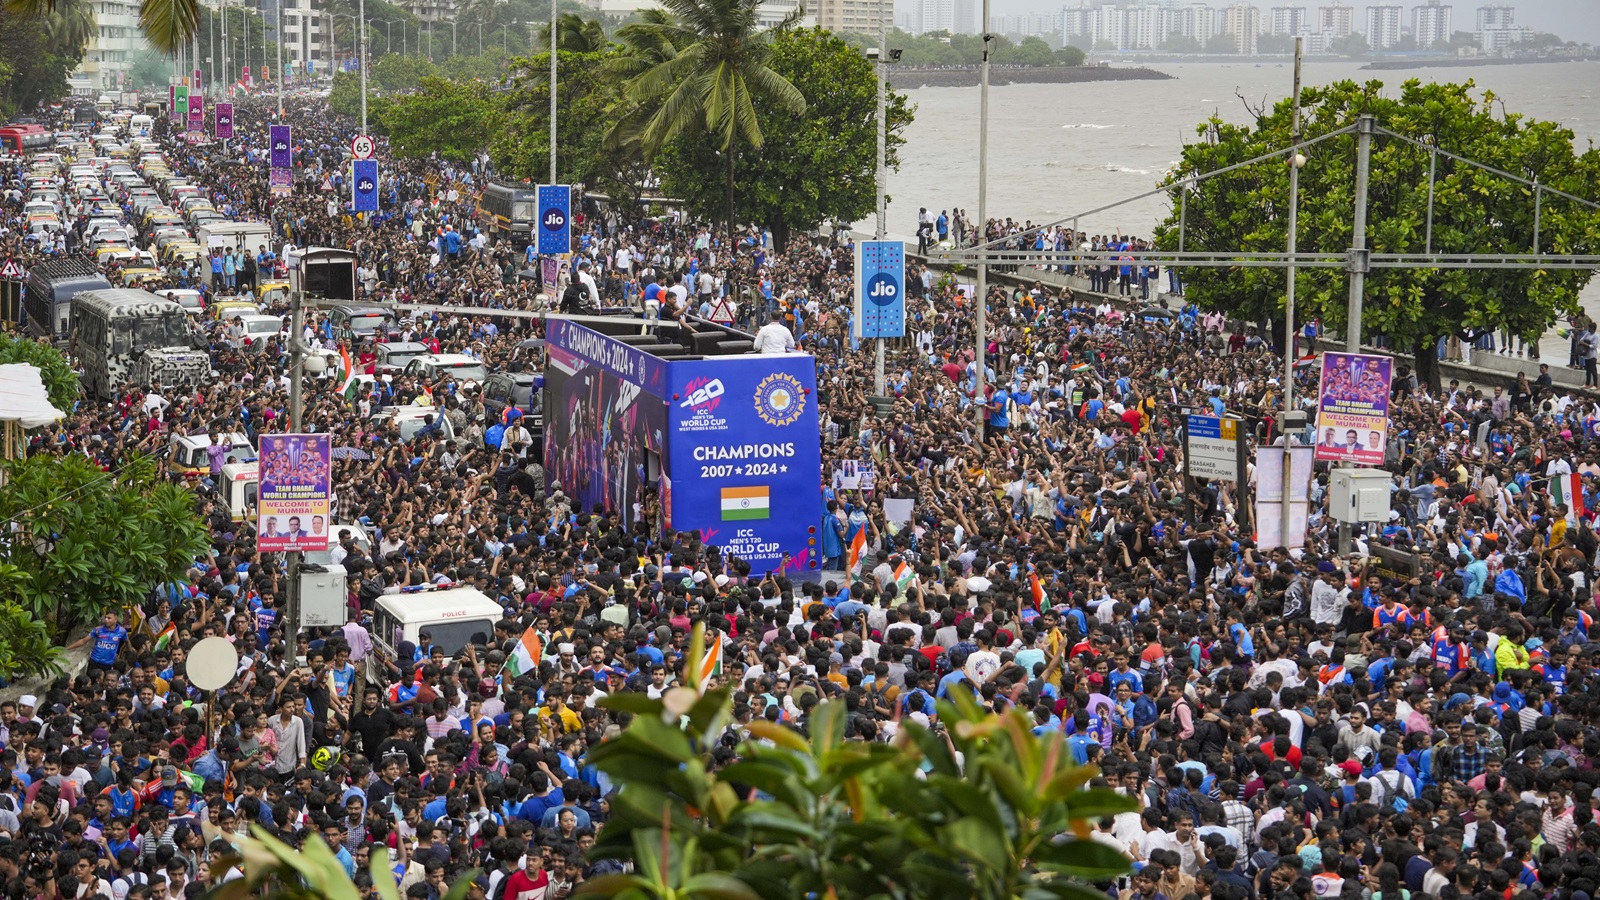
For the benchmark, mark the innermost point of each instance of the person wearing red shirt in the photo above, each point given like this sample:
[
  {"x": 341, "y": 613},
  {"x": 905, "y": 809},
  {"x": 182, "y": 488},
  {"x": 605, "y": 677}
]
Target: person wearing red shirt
[{"x": 531, "y": 882}]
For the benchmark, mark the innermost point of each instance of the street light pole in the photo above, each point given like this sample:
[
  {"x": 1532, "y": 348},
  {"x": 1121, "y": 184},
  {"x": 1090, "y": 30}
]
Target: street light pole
[
  {"x": 452, "y": 37},
  {"x": 882, "y": 172},
  {"x": 552, "y": 88},
  {"x": 1295, "y": 162},
  {"x": 1359, "y": 264},
  {"x": 981, "y": 320},
  {"x": 361, "y": 57},
  {"x": 278, "y": 33},
  {"x": 223, "y": 83}
]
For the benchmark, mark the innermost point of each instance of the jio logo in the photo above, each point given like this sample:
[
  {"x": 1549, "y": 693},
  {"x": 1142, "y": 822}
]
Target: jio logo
[
  {"x": 554, "y": 220},
  {"x": 364, "y": 185},
  {"x": 883, "y": 289}
]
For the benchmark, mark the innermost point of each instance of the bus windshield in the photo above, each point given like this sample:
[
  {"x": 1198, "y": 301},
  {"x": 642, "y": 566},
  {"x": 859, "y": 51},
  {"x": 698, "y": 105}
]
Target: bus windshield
[
  {"x": 161, "y": 331},
  {"x": 524, "y": 210}
]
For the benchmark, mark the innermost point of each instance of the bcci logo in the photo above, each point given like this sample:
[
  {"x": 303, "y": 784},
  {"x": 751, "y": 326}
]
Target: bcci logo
[{"x": 780, "y": 399}]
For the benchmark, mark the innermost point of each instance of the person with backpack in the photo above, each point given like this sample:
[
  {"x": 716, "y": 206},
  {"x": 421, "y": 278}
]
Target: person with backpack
[{"x": 1392, "y": 789}]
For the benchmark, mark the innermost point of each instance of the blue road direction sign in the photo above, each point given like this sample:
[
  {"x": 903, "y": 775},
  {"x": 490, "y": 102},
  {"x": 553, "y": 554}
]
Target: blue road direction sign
[{"x": 1214, "y": 448}]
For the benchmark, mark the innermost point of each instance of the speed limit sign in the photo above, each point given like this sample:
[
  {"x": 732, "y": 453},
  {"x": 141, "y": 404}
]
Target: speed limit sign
[{"x": 361, "y": 147}]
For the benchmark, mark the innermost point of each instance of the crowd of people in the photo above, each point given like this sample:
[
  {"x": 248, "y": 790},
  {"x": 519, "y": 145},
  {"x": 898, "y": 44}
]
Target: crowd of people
[{"x": 1301, "y": 722}]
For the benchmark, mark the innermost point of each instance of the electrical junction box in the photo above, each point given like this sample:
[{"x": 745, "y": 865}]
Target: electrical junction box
[{"x": 1359, "y": 495}]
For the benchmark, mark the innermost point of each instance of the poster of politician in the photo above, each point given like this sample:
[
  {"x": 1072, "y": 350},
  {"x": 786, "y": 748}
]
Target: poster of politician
[
  {"x": 1353, "y": 408},
  {"x": 295, "y": 492}
]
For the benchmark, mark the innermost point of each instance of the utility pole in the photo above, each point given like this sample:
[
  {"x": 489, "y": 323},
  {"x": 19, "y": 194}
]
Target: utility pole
[
  {"x": 361, "y": 31},
  {"x": 981, "y": 320},
  {"x": 452, "y": 37},
  {"x": 278, "y": 33},
  {"x": 1360, "y": 260},
  {"x": 882, "y": 172},
  {"x": 297, "y": 373},
  {"x": 1295, "y": 162},
  {"x": 552, "y": 89},
  {"x": 223, "y": 83}
]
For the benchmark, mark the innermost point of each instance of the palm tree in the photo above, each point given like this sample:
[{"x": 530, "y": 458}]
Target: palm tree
[
  {"x": 167, "y": 24},
  {"x": 575, "y": 34},
  {"x": 709, "y": 65},
  {"x": 70, "y": 26}
]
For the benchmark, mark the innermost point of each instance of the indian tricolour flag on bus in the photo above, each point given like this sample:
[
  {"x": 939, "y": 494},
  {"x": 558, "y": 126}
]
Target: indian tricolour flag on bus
[
  {"x": 1568, "y": 488},
  {"x": 526, "y": 655},
  {"x": 740, "y": 503}
]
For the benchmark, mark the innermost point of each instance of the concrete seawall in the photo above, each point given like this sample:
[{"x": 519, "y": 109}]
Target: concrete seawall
[{"x": 907, "y": 79}]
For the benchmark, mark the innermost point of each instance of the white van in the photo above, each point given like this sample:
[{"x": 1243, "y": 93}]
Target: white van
[
  {"x": 141, "y": 124},
  {"x": 240, "y": 482},
  {"x": 452, "y": 617}
]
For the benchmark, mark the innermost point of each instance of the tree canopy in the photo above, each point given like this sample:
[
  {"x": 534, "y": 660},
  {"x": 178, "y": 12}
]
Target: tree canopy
[
  {"x": 1474, "y": 212},
  {"x": 816, "y": 167},
  {"x": 90, "y": 540}
]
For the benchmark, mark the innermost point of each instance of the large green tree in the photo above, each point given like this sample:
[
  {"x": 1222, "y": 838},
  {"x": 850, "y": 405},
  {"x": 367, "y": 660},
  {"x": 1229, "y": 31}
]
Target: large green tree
[
  {"x": 719, "y": 68},
  {"x": 37, "y": 53},
  {"x": 1474, "y": 212},
  {"x": 816, "y": 167},
  {"x": 60, "y": 381},
  {"x": 443, "y": 116},
  {"x": 88, "y": 540},
  {"x": 982, "y": 810}
]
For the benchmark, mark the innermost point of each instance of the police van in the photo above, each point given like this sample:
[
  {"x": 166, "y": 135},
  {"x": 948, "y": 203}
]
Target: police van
[{"x": 452, "y": 616}]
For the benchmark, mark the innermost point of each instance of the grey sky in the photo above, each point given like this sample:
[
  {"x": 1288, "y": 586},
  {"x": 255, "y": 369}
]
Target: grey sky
[{"x": 1574, "y": 20}]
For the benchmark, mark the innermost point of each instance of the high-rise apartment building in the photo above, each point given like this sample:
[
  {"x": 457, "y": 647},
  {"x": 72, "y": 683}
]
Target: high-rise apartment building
[
  {"x": 858, "y": 16},
  {"x": 116, "y": 42},
  {"x": 1242, "y": 22},
  {"x": 1430, "y": 24},
  {"x": 1383, "y": 26},
  {"x": 1287, "y": 20},
  {"x": 1496, "y": 16},
  {"x": 1336, "y": 21}
]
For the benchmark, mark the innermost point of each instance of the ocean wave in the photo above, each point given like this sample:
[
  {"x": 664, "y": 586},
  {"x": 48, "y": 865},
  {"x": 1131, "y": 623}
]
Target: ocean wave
[
  {"x": 1089, "y": 125},
  {"x": 1113, "y": 167}
]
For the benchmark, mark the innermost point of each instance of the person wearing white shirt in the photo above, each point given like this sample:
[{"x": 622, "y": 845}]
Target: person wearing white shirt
[
  {"x": 774, "y": 337},
  {"x": 589, "y": 286}
]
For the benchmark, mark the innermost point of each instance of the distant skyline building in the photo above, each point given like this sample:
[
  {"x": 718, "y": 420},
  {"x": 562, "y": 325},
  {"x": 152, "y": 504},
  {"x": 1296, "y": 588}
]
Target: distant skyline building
[
  {"x": 1383, "y": 26},
  {"x": 1287, "y": 20},
  {"x": 1242, "y": 22},
  {"x": 1496, "y": 16},
  {"x": 1336, "y": 21},
  {"x": 1430, "y": 24},
  {"x": 856, "y": 16}
]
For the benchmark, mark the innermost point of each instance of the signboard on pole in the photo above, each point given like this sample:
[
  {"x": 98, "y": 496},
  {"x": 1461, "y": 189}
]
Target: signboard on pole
[
  {"x": 244, "y": 76},
  {"x": 224, "y": 120},
  {"x": 549, "y": 274},
  {"x": 295, "y": 493},
  {"x": 1353, "y": 408},
  {"x": 172, "y": 102},
  {"x": 364, "y": 185},
  {"x": 1270, "y": 484},
  {"x": 180, "y": 103},
  {"x": 555, "y": 219},
  {"x": 880, "y": 303},
  {"x": 196, "y": 83},
  {"x": 281, "y": 182},
  {"x": 197, "y": 118},
  {"x": 722, "y": 313},
  {"x": 1214, "y": 448},
  {"x": 362, "y": 147},
  {"x": 281, "y": 143}
]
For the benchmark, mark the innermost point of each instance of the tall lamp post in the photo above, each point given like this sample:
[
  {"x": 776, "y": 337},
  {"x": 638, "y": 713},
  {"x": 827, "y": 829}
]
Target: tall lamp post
[
  {"x": 553, "y": 92},
  {"x": 1296, "y": 160},
  {"x": 981, "y": 324},
  {"x": 881, "y": 60},
  {"x": 361, "y": 57}
]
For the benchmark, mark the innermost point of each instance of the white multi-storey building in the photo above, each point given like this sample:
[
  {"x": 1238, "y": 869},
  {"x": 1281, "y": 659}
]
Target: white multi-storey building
[
  {"x": 1383, "y": 26},
  {"x": 1336, "y": 21},
  {"x": 1430, "y": 24},
  {"x": 1242, "y": 22},
  {"x": 1287, "y": 20},
  {"x": 116, "y": 43}
]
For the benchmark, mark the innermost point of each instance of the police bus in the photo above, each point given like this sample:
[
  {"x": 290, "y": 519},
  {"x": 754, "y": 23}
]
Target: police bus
[
  {"x": 125, "y": 335},
  {"x": 508, "y": 210}
]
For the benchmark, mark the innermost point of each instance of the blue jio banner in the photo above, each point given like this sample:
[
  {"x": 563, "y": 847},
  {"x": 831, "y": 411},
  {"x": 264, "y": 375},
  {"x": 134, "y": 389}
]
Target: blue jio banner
[
  {"x": 744, "y": 458},
  {"x": 880, "y": 289},
  {"x": 280, "y": 143},
  {"x": 555, "y": 219},
  {"x": 364, "y": 184}
]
